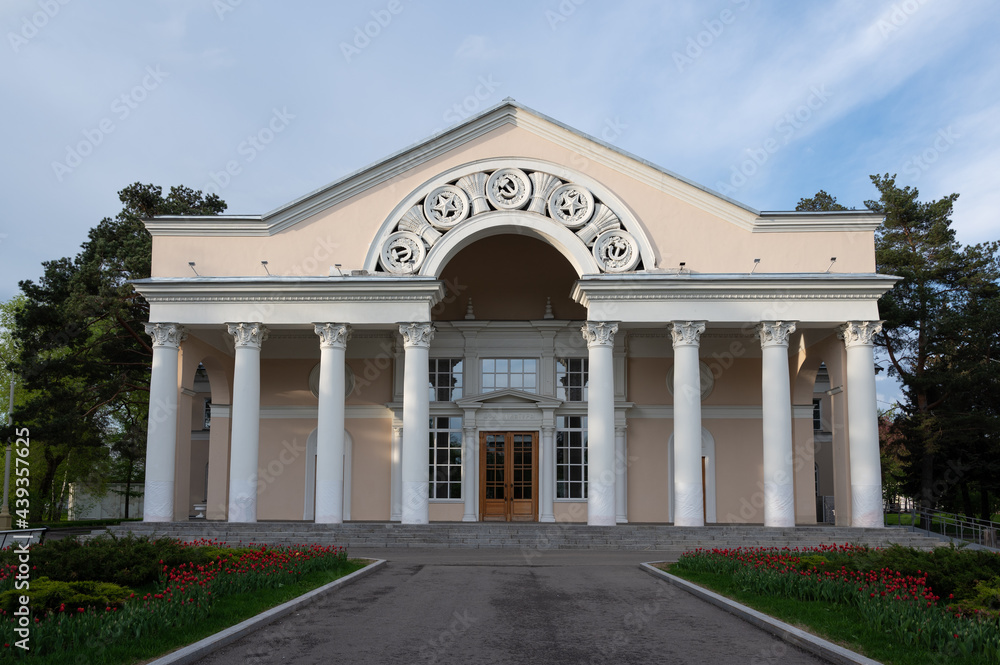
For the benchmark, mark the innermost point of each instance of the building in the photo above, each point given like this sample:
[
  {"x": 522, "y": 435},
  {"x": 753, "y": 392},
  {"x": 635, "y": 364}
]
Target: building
[{"x": 513, "y": 321}]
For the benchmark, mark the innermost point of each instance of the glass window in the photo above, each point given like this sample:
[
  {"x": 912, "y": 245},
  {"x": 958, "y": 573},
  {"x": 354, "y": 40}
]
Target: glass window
[
  {"x": 571, "y": 457},
  {"x": 817, "y": 415},
  {"x": 516, "y": 373},
  {"x": 445, "y": 379},
  {"x": 445, "y": 458},
  {"x": 572, "y": 375}
]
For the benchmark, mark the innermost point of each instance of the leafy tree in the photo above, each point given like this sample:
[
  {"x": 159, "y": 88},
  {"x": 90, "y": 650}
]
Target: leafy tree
[
  {"x": 83, "y": 355},
  {"x": 940, "y": 339},
  {"x": 924, "y": 313},
  {"x": 822, "y": 202}
]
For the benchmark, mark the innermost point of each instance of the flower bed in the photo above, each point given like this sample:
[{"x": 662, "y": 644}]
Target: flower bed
[
  {"x": 184, "y": 596},
  {"x": 900, "y": 605}
]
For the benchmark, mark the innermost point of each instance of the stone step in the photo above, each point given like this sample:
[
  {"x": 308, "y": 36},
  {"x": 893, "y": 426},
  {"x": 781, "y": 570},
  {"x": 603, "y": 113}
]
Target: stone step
[{"x": 528, "y": 536}]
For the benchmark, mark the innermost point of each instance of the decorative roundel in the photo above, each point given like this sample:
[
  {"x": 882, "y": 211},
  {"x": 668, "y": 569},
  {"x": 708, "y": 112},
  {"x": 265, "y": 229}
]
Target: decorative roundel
[
  {"x": 402, "y": 253},
  {"x": 446, "y": 206},
  {"x": 707, "y": 380},
  {"x": 349, "y": 380},
  {"x": 572, "y": 205},
  {"x": 508, "y": 189},
  {"x": 616, "y": 251}
]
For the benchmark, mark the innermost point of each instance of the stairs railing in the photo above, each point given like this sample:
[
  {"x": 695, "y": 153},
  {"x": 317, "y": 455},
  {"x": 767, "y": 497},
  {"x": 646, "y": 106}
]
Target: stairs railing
[{"x": 969, "y": 529}]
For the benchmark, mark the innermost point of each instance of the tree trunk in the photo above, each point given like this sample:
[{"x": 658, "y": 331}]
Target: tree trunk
[
  {"x": 52, "y": 462},
  {"x": 967, "y": 507},
  {"x": 927, "y": 499}
]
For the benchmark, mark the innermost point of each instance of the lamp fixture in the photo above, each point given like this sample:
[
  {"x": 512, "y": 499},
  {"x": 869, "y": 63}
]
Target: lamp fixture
[
  {"x": 833, "y": 259},
  {"x": 264, "y": 263},
  {"x": 756, "y": 262},
  {"x": 336, "y": 266},
  {"x": 191, "y": 264}
]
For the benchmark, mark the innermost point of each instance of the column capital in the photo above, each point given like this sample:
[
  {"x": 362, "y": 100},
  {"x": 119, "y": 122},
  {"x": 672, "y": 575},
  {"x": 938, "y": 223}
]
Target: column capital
[
  {"x": 687, "y": 333},
  {"x": 469, "y": 430},
  {"x": 599, "y": 333},
  {"x": 774, "y": 333},
  {"x": 166, "y": 334},
  {"x": 333, "y": 334},
  {"x": 416, "y": 334},
  {"x": 248, "y": 334},
  {"x": 859, "y": 333}
]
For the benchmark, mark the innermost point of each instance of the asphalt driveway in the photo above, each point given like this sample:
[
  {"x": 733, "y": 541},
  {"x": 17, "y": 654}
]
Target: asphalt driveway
[{"x": 500, "y": 606}]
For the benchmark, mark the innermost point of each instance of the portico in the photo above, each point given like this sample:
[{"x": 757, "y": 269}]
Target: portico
[{"x": 512, "y": 339}]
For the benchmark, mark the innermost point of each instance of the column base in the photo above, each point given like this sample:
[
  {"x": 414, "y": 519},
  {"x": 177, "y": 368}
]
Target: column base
[
  {"x": 469, "y": 518},
  {"x": 547, "y": 518},
  {"x": 621, "y": 520},
  {"x": 416, "y": 508}
]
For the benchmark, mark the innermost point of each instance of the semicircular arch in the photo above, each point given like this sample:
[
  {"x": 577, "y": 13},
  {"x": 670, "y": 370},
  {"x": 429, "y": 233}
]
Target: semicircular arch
[{"x": 611, "y": 233}]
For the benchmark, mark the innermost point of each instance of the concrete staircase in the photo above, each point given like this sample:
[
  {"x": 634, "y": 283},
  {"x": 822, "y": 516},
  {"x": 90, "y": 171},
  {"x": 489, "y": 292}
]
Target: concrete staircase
[{"x": 528, "y": 536}]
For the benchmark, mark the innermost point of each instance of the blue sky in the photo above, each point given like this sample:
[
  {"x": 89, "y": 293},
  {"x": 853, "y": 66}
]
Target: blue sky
[{"x": 800, "y": 96}]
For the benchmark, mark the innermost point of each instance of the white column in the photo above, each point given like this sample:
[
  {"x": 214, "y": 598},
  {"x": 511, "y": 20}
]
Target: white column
[
  {"x": 246, "y": 421},
  {"x": 470, "y": 469},
  {"x": 600, "y": 336},
  {"x": 779, "y": 492},
  {"x": 330, "y": 422},
  {"x": 396, "y": 474},
  {"x": 688, "y": 499},
  {"x": 161, "y": 433},
  {"x": 416, "y": 421},
  {"x": 547, "y": 475},
  {"x": 862, "y": 424},
  {"x": 621, "y": 476}
]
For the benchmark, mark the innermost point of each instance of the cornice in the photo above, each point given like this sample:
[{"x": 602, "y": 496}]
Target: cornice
[
  {"x": 797, "y": 286},
  {"x": 290, "y": 289},
  {"x": 799, "y": 222}
]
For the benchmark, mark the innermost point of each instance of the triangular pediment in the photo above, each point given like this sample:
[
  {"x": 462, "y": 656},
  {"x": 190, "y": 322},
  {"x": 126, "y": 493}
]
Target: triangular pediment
[
  {"x": 507, "y": 114},
  {"x": 604, "y": 209},
  {"x": 508, "y": 397}
]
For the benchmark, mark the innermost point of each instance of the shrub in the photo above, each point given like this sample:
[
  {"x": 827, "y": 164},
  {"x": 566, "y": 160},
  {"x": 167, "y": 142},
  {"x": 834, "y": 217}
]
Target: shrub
[
  {"x": 52, "y": 595},
  {"x": 126, "y": 561}
]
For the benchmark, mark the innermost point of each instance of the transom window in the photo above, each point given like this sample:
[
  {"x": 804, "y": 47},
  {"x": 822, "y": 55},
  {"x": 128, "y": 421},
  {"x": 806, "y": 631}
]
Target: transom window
[
  {"x": 445, "y": 379},
  {"x": 517, "y": 373},
  {"x": 571, "y": 457},
  {"x": 571, "y": 379},
  {"x": 445, "y": 470}
]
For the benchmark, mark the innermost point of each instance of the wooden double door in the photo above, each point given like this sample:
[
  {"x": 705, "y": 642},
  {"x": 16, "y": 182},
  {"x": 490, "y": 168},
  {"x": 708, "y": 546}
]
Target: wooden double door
[{"x": 508, "y": 476}]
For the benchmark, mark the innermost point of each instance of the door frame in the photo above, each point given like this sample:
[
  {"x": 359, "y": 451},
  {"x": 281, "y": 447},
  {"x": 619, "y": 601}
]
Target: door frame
[{"x": 508, "y": 463}]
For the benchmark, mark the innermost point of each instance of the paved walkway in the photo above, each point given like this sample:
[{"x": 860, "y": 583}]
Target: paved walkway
[{"x": 502, "y": 606}]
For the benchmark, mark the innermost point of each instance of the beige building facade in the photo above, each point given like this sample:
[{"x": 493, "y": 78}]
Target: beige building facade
[{"x": 514, "y": 321}]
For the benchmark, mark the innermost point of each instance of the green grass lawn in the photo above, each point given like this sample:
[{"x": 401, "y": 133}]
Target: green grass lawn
[
  {"x": 830, "y": 621},
  {"x": 226, "y": 611}
]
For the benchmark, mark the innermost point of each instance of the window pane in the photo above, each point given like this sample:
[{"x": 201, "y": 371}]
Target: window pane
[{"x": 489, "y": 365}]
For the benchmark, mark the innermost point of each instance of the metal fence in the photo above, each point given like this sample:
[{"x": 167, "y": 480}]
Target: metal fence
[{"x": 970, "y": 529}]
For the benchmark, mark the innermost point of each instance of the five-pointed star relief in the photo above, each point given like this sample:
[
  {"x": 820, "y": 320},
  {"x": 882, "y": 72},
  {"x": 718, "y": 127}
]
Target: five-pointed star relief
[
  {"x": 570, "y": 203},
  {"x": 446, "y": 205}
]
